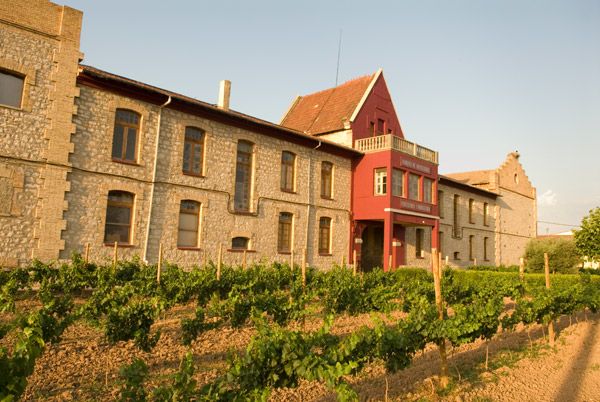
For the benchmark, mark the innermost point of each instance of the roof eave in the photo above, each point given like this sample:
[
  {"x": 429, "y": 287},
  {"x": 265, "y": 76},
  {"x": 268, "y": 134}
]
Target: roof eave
[{"x": 107, "y": 81}]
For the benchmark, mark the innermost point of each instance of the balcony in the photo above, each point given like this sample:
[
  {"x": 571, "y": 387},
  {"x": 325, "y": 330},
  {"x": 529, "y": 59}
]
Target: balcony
[{"x": 389, "y": 141}]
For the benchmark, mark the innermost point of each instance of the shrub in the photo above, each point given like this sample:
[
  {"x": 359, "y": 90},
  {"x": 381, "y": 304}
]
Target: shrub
[
  {"x": 587, "y": 239},
  {"x": 562, "y": 255}
]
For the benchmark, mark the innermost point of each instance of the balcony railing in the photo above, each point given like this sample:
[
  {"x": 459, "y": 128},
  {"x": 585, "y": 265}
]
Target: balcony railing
[{"x": 389, "y": 141}]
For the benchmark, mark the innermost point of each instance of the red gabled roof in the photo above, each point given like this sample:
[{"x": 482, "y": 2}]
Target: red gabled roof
[{"x": 327, "y": 111}]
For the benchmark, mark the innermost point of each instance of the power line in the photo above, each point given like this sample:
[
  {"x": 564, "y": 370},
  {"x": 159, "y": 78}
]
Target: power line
[{"x": 559, "y": 224}]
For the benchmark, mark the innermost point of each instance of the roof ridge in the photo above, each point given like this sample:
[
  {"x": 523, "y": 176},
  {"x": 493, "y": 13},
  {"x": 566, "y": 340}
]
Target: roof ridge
[{"x": 340, "y": 85}]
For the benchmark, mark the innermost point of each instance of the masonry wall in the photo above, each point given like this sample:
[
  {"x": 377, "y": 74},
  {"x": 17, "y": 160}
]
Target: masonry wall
[
  {"x": 516, "y": 210},
  {"x": 412, "y": 260},
  {"x": 451, "y": 244},
  {"x": 94, "y": 174},
  {"x": 40, "y": 42}
]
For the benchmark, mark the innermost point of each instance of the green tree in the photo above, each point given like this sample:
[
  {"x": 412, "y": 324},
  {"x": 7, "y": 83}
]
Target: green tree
[
  {"x": 587, "y": 239},
  {"x": 562, "y": 255}
]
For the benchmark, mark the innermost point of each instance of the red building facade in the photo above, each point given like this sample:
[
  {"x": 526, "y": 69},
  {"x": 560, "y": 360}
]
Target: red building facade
[{"x": 394, "y": 185}]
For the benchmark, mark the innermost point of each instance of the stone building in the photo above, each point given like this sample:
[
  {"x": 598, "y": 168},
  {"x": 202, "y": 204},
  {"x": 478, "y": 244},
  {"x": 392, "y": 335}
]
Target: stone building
[
  {"x": 89, "y": 157},
  {"x": 515, "y": 209}
]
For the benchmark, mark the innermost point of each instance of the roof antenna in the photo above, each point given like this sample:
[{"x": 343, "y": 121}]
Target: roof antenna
[{"x": 337, "y": 71}]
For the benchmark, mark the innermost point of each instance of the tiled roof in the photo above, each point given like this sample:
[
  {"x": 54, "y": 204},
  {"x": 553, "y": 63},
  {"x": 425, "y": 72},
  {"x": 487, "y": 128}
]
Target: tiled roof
[
  {"x": 476, "y": 177},
  {"x": 450, "y": 181},
  {"x": 284, "y": 132},
  {"x": 326, "y": 111}
]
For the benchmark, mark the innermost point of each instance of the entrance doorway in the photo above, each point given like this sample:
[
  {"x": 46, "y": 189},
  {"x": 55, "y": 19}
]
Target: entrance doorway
[{"x": 372, "y": 247}]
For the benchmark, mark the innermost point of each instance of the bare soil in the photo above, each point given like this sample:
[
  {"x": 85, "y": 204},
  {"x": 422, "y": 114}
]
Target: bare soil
[{"x": 83, "y": 366}]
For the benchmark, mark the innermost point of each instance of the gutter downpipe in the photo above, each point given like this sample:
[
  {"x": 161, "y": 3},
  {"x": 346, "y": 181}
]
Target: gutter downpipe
[
  {"x": 153, "y": 183},
  {"x": 308, "y": 201}
]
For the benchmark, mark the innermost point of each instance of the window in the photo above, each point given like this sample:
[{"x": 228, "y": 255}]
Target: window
[
  {"x": 193, "y": 151},
  {"x": 380, "y": 126},
  {"x": 240, "y": 243},
  {"x": 372, "y": 127},
  {"x": 428, "y": 190},
  {"x": 119, "y": 212},
  {"x": 419, "y": 243},
  {"x": 471, "y": 240},
  {"x": 11, "y": 89},
  {"x": 127, "y": 126},
  {"x": 397, "y": 182},
  {"x": 288, "y": 167},
  {"x": 326, "y": 179},
  {"x": 381, "y": 181},
  {"x": 485, "y": 213},
  {"x": 456, "y": 255},
  {"x": 455, "y": 228},
  {"x": 243, "y": 176},
  {"x": 485, "y": 248},
  {"x": 189, "y": 223},
  {"x": 325, "y": 235},
  {"x": 284, "y": 234},
  {"x": 471, "y": 207},
  {"x": 413, "y": 187},
  {"x": 440, "y": 201}
]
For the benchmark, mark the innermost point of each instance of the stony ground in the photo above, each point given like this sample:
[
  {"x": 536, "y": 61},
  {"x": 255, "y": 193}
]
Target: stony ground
[{"x": 83, "y": 366}]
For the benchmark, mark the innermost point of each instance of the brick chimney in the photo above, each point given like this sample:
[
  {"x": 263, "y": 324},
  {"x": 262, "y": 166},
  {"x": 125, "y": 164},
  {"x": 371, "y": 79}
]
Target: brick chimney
[{"x": 224, "y": 93}]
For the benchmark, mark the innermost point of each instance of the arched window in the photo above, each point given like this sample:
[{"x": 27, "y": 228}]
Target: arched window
[
  {"x": 125, "y": 136},
  {"x": 325, "y": 235},
  {"x": 119, "y": 214},
  {"x": 193, "y": 151},
  {"x": 189, "y": 224},
  {"x": 288, "y": 167},
  {"x": 326, "y": 179},
  {"x": 284, "y": 233},
  {"x": 243, "y": 176},
  {"x": 240, "y": 243}
]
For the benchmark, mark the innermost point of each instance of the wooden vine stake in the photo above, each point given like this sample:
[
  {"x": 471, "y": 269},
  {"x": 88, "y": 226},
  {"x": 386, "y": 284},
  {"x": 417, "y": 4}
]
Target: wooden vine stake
[
  {"x": 303, "y": 268},
  {"x": 390, "y": 262},
  {"x": 86, "y": 257},
  {"x": 219, "y": 261},
  {"x": 440, "y": 307},
  {"x": 292, "y": 259},
  {"x": 354, "y": 268},
  {"x": 159, "y": 265},
  {"x": 115, "y": 254},
  {"x": 521, "y": 269},
  {"x": 551, "y": 323}
]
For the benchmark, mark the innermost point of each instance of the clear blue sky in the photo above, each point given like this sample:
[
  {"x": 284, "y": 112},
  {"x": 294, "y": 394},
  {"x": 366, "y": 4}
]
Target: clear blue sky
[{"x": 474, "y": 80}]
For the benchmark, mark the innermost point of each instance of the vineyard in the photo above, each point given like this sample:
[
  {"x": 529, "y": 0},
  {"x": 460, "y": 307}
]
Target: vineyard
[{"x": 290, "y": 314}]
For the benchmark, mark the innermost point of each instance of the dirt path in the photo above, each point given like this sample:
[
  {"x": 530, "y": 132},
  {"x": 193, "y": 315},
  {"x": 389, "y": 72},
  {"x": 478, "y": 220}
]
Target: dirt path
[{"x": 570, "y": 373}]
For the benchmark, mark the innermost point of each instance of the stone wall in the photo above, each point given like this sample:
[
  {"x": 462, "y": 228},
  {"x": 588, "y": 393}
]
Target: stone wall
[
  {"x": 451, "y": 244},
  {"x": 517, "y": 217},
  {"x": 412, "y": 260},
  {"x": 94, "y": 174},
  {"x": 39, "y": 41}
]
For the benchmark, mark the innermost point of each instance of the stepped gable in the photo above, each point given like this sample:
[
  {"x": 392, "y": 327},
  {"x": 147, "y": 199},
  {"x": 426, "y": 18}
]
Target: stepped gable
[{"x": 328, "y": 110}]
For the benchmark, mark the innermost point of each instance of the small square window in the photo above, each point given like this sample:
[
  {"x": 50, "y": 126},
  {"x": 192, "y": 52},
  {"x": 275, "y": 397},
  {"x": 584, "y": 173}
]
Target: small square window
[{"x": 11, "y": 89}]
